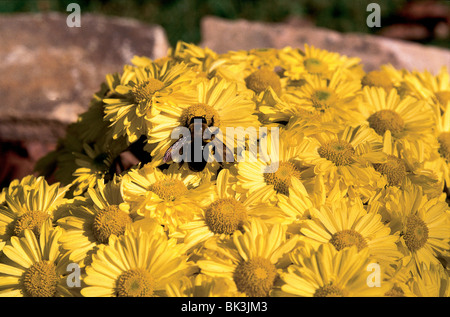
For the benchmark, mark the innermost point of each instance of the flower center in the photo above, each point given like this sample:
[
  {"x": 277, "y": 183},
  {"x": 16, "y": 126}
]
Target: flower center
[
  {"x": 443, "y": 96},
  {"x": 225, "y": 215},
  {"x": 111, "y": 220},
  {"x": 395, "y": 291},
  {"x": 145, "y": 90},
  {"x": 135, "y": 283},
  {"x": 323, "y": 99},
  {"x": 339, "y": 152},
  {"x": 315, "y": 66},
  {"x": 281, "y": 178},
  {"x": 384, "y": 120},
  {"x": 32, "y": 220},
  {"x": 416, "y": 233},
  {"x": 255, "y": 277},
  {"x": 378, "y": 79},
  {"x": 41, "y": 279},
  {"x": 444, "y": 142},
  {"x": 200, "y": 110},
  {"x": 394, "y": 170},
  {"x": 169, "y": 189},
  {"x": 329, "y": 291},
  {"x": 262, "y": 79},
  {"x": 348, "y": 238}
]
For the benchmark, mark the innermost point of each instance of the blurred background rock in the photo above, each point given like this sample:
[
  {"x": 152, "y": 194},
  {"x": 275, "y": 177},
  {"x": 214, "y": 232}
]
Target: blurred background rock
[{"x": 50, "y": 71}]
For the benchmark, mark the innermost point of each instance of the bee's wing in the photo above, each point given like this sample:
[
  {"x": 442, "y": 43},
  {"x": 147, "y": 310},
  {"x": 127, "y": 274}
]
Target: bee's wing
[{"x": 175, "y": 148}]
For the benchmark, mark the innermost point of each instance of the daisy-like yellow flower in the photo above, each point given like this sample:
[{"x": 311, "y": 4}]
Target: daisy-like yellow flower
[
  {"x": 400, "y": 170},
  {"x": 348, "y": 223},
  {"x": 218, "y": 103},
  {"x": 431, "y": 282},
  {"x": 172, "y": 197},
  {"x": 144, "y": 95},
  {"x": 399, "y": 276},
  {"x": 94, "y": 219},
  {"x": 200, "y": 60},
  {"x": 136, "y": 264},
  {"x": 386, "y": 77},
  {"x": 275, "y": 111},
  {"x": 409, "y": 121},
  {"x": 428, "y": 87},
  {"x": 273, "y": 171},
  {"x": 251, "y": 259},
  {"x": 297, "y": 207},
  {"x": 345, "y": 158},
  {"x": 333, "y": 100},
  {"x": 35, "y": 266},
  {"x": 423, "y": 224},
  {"x": 28, "y": 204},
  {"x": 91, "y": 165},
  {"x": 201, "y": 285},
  {"x": 327, "y": 272},
  {"x": 441, "y": 164},
  {"x": 254, "y": 70},
  {"x": 315, "y": 61},
  {"x": 227, "y": 213}
]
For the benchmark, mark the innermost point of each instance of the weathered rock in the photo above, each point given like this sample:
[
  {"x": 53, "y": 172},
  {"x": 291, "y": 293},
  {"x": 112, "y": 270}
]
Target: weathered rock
[
  {"x": 223, "y": 35},
  {"x": 50, "y": 71}
]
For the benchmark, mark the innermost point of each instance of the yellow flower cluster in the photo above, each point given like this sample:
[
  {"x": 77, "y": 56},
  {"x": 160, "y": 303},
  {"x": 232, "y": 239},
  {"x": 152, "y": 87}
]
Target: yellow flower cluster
[{"x": 348, "y": 195}]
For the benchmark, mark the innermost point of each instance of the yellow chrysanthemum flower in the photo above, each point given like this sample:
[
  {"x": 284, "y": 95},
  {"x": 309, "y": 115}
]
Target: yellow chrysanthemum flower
[
  {"x": 136, "y": 264},
  {"x": 326, "y": 272},
  {"x": 431, "y": 282},
  {"x": 275, "y": 168},
  {"x": 254, "y": 70},
  {"x": 92, "y": 164},
  {"x": 332, "y": 100},
  {"x": 28, "y": 204},
  {"x": 387, "y": 77},
  {"x": 400, "y": 170},
  {"x": 35, "y": 266},
  {"x": 409, "y": 121},
  {"x": 144, "y": 94},
  {"x": 315, "y": 61},
  {"x": 428, "y": 87},
  {"x": 201, "y": 285},
  {"x": 172, "y": 197},
  {"x": 93, "y": 219},
  {"x": 399, "y": 276},
  {"x": 441, "y": 164},
  {"x": 251, "y": 259},
  {"x": 218, "y": 102},
  {"x": 228, "y": 212},
  {"x": 345, "y": 158},
  {"x": 348, "y": 223},
  {"x": 423, "y": 224},
  {"x": 200, "y": 60}
]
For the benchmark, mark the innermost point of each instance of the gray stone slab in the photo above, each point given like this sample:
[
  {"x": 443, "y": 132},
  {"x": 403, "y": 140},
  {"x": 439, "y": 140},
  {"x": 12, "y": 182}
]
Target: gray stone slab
[{"x": 50, "y": 71}]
